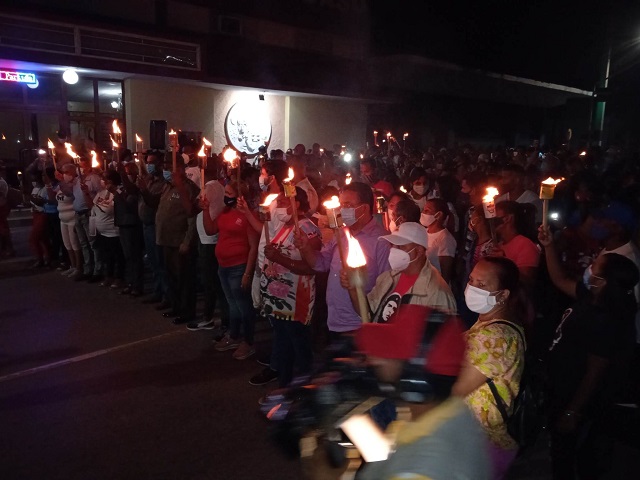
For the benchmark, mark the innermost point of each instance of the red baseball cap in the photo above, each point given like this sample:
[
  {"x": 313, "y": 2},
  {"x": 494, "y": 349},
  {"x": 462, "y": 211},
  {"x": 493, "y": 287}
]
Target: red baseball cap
[{"x": 402, "y": 337}]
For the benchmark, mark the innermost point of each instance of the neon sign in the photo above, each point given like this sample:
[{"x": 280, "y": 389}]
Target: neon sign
[{"x": 20, "y": 77}]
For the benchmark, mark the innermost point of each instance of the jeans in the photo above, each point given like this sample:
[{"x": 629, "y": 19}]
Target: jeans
[
  {"x": 133, "y": 247},
  {"x": 90, "y": 253},
  {"x": 293, "y": 340},
  {"x": 154, "y": 255},
  {"x": 213, "y": 294},
  {"x": 241, "y": 313}
]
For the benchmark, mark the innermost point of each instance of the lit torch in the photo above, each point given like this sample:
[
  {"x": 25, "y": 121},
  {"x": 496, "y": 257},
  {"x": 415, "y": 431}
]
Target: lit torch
[
  {"x": 388, "y": 143},
  {"x": 402, "y": 189},
  {"x": 489, "y": 208},
  {"x": 52, "y": 152},
  {"x": 207, "y": 147},
  {"x": 264, "y": 213},
  {"x": 347, "y": 179},
  {"x": 547, "y": 190},
  {"x": 357, "y": 270},
  {"x": 404, "y": 142},
  {"x": 94, "y": 159},
  {"x": 231, "y": 156},
  {"x": 139, "y": 144},
  {"x": 203, "y": 165},
  {"x": 117, "y": 134},
  {"x": 173, "y": 139},
  {"x": 375, "y": 138},
  {"x": 334, "y": 219},
  {"x": 290, "y": 192}
]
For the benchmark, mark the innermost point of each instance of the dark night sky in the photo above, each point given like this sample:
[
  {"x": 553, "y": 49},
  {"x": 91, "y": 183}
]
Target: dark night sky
[{"x": 561, "y": 41}]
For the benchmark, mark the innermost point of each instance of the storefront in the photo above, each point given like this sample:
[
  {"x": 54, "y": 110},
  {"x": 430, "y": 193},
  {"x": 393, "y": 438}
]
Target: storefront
[{"x": 31, "y": 113}]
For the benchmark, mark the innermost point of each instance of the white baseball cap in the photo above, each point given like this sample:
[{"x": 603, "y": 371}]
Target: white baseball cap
[{"x": 409, "y": 232}]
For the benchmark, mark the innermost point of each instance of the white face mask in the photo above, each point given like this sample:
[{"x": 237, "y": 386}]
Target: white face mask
[
  {"x": 399, "y": 259},
  {"x": 586, "y": 276},
  {"x": 478, "y": 300},
  {"x": 282, "y": 215},
  {"x": 426, "y": 219},
  {"x": 393, "y": 226},
  {"x": 420, "y": 189}
]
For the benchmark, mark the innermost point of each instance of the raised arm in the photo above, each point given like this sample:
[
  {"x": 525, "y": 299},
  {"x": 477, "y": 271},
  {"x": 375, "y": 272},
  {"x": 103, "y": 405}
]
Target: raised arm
[{"x": 559, "y": 277}]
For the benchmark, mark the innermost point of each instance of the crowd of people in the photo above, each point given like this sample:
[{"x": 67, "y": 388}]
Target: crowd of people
[{"x": 565, "y": 291}]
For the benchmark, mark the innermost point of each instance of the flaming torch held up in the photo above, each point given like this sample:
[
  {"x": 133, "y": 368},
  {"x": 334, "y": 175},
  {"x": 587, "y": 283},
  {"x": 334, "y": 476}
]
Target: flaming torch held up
[
  {"x": 547, "y": 190},
  {"x": 207, "y": 147},
  {"x": 139, "y": 144},
  {"x": 173, "y": 140},
  {"x": 357, "y": 270},
  {"x": 375, "y": 138},
  {"x": 52, "y": 152},
  {"x": 231, "y": 156},
  {"x": 290, "y": 192},
  {"x": 264, "y": 213},
  {"x": 334, "y": 219},
  {"x": 202, "y": 156},
  {"x": 347, "y": 179},
  {"x": 94, "y": 160},
  {"x": 489, "y": 207}
]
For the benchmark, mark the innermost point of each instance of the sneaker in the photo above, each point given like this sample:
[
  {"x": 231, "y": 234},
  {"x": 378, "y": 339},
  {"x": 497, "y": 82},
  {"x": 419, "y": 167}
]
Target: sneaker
[
  {"x": 226, "y": 343},
  {"x": 219, "y": 333},
  {"x": 265, "y": 376},
  {"x": 243, "y": 351},
  {"x": 264, "y": 360},
  {"x": 63, "y": 267},
  {"x": 202, "y": 325},
  {"x": 68, "y": 272}
]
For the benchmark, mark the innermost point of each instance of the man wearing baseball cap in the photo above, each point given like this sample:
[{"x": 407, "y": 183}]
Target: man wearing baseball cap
[
  {"x": 411, "y": 280},
  {"x": 420, "y": 353}
]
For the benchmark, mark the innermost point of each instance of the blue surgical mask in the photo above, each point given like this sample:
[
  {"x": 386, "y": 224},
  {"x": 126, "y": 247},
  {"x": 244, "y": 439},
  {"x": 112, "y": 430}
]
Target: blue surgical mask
[
  {"x": 151, "y": 168},
  {"x": 349, "y": 215},
  {"x": 167, "y": 175}
]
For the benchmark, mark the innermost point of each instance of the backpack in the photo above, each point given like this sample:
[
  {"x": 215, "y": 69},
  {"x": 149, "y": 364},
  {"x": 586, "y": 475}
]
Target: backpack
[{"x": 528, "y": 417}]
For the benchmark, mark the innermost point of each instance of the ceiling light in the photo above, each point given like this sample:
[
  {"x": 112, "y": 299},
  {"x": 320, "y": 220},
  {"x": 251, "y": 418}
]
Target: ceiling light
[
  {"x": 114, "y": 104},
  {"x": 70, "y": 76}
]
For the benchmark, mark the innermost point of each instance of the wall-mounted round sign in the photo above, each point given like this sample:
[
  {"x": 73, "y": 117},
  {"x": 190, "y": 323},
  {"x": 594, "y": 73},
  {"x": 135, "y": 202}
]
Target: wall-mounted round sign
[{"x": 248, "y": 126}]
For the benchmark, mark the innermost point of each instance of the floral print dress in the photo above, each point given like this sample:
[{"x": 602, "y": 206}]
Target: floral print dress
[
  {"x": 286, "y": 295},
  {"x": 496, "y": 350}
]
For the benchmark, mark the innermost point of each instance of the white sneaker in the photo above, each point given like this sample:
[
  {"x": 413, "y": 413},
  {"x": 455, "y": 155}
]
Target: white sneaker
[{"x": 68, "y": 273}]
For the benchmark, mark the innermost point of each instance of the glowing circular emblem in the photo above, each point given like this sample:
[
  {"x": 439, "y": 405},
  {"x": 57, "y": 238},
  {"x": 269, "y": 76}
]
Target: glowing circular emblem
[
  {"x": 70, "y": 76},
  {"x": 248, "y": 126}
]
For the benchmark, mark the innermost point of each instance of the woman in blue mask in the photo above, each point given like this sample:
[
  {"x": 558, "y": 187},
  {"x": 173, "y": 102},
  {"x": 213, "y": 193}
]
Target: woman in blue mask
[{"x": 588, "y": 361}]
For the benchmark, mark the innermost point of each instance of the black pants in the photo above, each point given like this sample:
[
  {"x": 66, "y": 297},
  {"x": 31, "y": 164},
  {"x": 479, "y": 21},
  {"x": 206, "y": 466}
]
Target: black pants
[
  {"x": 111, "y": 252},
  {"x": 213, "y": 294},
  {"x": 58, "y": 252},
  {"x": 293, "y": 344},
  {"x": 132, "y": 243},
  {"x": 180, "y": 271}
]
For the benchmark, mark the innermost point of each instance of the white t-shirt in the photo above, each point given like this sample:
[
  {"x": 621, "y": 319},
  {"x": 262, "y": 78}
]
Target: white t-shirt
[
  {"x": 103, "y": 212},
  {"x": 630, "y": 251},
  {"x": 204, "y": 238},
  {"x": 65, "y": 207},
  {"x": 440, "y": 244}
]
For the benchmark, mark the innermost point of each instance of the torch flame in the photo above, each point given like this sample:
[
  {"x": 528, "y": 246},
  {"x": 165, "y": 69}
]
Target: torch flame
[
  {"x": 114, "y": 144},
  {"x": 583, "y": 154},
  {"x": 201, "y": 152},
  {"x": 347, "y": 179},
  {"x": 229, "y": 155},
  {"x": 138, "y": 139},
  {"x": 94, "y": 159},
  {"x": 375, "y": 132},
  {"x": 50, "y": 144},
  {"x": 355, "y": 257},
  {"x": 172, "y": 132},
  {"x": 551, "y": 181},
  {"x": 491, "y": 192},
  {"x": 206, "y": 142},
  {"x": 70, "y": 151},
  {"x": 402, "y": 189},
  {"x": 116, "y": 128},
  {"x": 290, "y": 177},
  {"x": 332, "y": 204},
  {"x": 404, "y": 137},
  {"x": 270, "y": 198}
]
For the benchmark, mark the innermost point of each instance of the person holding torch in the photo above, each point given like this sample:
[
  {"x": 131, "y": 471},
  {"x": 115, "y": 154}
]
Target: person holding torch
[{"x": 356, "y": 201}]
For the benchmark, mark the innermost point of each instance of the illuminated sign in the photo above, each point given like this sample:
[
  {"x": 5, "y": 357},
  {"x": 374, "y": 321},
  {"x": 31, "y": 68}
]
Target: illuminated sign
[{"x": 20, "y": 77}]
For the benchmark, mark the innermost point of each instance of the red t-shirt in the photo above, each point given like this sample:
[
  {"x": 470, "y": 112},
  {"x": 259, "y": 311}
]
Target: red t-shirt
[
  {"x": 522, "y": 251},
  {"x": 233, "y": 238}
]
